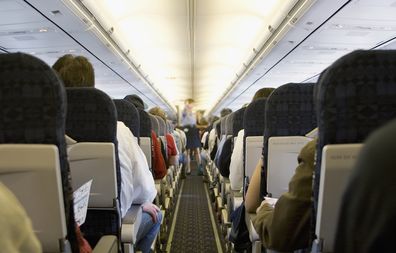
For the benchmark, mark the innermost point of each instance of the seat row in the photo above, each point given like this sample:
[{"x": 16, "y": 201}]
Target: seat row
[
  {"x": 35, "y": 119},
  {"x": 352, "y": 98}
]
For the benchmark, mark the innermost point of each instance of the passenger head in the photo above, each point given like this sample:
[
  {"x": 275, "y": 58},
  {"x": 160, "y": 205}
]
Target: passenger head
[
  {"x": 188, "y": 101},
  {"x": 159, "y": 112},
  {"x": 225, "y": 112},
  {"x": 262, "y": 93},
  {"x": 136, "y": 101},
  {"x": 75, "y": 71},
  {"x": 189, "y": 104}
]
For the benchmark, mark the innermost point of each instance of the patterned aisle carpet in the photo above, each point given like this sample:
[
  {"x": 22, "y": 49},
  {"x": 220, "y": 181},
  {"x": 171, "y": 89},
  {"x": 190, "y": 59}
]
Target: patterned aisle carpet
[{"x": 193, "y": 230}]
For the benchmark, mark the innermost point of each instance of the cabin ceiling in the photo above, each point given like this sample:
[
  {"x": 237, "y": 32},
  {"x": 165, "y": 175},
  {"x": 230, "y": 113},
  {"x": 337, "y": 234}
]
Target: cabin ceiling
[{"x": 167, "y": 51}]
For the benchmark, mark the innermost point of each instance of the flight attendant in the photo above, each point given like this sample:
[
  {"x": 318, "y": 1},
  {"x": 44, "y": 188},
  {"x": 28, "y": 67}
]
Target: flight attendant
[{"x": 193, "y": 144}]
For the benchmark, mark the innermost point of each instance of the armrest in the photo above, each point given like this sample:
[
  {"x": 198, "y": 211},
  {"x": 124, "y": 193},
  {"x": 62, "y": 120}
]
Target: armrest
[
  {"x": 252, "y": 232},
  {"x": 106, "y": 244},
  {"x": 130, "y": 224}
]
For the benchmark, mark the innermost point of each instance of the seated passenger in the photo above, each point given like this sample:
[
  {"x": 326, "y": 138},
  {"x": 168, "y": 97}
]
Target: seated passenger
[
  {"x": 159, "y": 164},
  {"x": 16, "y": 228},
  {"x": 236, "y": 164},
  {"x": 170, "y": 141},
  {"x": 285, "y": 226},
  {"x": 137, "y": 184},
  {"x": 367, "y": 217}
]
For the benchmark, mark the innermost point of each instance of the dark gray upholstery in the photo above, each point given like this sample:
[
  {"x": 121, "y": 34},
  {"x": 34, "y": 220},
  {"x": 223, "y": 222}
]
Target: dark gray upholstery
[
  {"x": 162, "y": 126},
  {"x": 127, "y": 113},
  {"x": 253, "y": 120},
  {"x": 145, "y": 124},
  {"x": 170, "y": 127},
  {"x": 289, "y": 112},
  {"x": 136, "y": 101},
  {"x": 367, "y": 217},
  {"x": 223, "y": 125},
  {"x": 154, "y": 124},
  {"x": 217, "y": 126},
  {"x": 92, "y": 117},
  {"x": 33, "y": 108},
  {"x": 229, "y": 124},
  {"x": 355, "y": 95},
  {"x": 238, "y": 121}
]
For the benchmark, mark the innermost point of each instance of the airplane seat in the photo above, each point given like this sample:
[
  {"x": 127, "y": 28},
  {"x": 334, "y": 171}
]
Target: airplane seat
[
  {"x": 218, "y": 129},
  {"x": 33, "y": 112},
  {"x": 289, "y": 112},
  {"x": 237, "y": 124},
  {"x": 155, "y": 124},
  {"x": 368, "y": 207},
  {"x": 225, "y": 149},
  {"x": 162, "y": 199},
  {"x": 355, "y": 95},
  {"x": 162, "y": 133},
  {"x": 223, "y": 125},
  {"x": 229, "y": 124},
  {"x": 145, "y": 135},
  {"x": 235, "y": 198},
  {"x": 127, "y": 113},
  {"x": 170, "y": 170},
  {"x": 253, "y": 124},
  {"x": 222, "y": 138},
  {"x": 224, "y": 167},
  {"x": 178, "y": 142},
  {"x": 92, "y": 119}
]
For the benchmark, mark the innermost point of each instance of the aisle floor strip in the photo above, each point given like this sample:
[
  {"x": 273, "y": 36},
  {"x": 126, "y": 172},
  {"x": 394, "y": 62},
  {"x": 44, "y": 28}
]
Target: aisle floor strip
[
  {"x": 212, "y": 219},
  {"x": 172, "y": 231}
]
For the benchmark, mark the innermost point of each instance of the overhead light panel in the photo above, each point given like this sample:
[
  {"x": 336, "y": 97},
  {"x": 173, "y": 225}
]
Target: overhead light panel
[
  {"x": 100, "y": 30},
  {"x": 282, "y": 22}
]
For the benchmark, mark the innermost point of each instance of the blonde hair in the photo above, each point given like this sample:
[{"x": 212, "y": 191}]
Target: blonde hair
[
  {"x": 75, "y": 71},
  {"x": 158, "y": 111}
]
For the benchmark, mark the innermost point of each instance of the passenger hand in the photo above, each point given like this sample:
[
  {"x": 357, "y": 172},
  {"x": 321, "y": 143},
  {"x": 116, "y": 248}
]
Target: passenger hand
[
  {"x": 267, "y": 201},
  {"x": 151, "y": 209}
]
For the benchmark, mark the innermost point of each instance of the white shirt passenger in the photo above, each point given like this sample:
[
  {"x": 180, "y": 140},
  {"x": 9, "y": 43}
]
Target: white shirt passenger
[
  {"x": 212, "y": 139},
  {"x": 137, "y": 183},
  {"x": 236, "y": 164},
  {"x": 203, "y": 139}
]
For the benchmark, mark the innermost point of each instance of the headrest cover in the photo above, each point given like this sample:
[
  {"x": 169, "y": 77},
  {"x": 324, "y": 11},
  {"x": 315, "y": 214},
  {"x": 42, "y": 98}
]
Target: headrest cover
[
  {"x": 127, "y": 113},
  {"x": 136, "y": 101}
]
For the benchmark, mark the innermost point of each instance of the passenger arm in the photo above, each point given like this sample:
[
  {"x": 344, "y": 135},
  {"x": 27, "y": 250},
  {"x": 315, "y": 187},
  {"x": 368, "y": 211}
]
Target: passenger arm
[
  {"x": 286, "y": 226},
  {"x": 252, "y": 198}
]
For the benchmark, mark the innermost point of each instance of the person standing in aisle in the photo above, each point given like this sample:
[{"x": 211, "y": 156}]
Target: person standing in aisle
[{"x": 189, "y": 121}]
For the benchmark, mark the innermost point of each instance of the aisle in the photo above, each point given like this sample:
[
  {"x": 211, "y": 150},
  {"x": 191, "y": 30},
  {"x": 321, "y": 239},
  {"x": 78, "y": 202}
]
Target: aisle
[{"x": 193, "y": 230}]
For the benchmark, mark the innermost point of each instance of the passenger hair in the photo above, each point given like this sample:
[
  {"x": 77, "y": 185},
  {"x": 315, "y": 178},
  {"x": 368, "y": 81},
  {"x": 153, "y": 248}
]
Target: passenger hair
[
  {"x": 225, "y": 112},
  {"x": 62, "y": 61},
  {"x": 75, "y": 71},
  {"x": 262, "y": 93},
  {"x": 189, "y": 101},
  {"x": 158, "y": 111}
]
